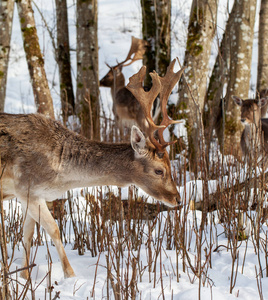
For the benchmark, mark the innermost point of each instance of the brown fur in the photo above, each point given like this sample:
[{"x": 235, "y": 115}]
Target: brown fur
[
  {"x": 126, "y": 108},
  {"x": 264, "y": 94},
  {"x": 256, "y": 127},
  {"x": 40, "y": 160}
]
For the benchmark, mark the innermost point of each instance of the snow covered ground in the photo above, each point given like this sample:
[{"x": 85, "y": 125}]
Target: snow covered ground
[{"x": 118, "y": 21}]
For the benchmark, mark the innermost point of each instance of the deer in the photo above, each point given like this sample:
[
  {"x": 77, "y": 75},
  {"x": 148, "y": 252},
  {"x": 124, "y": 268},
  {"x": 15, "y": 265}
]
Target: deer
[
  {"x": 41, "y": 159},
  {"x": 255, "y": 133},
  {"x": 263, "y": 94},
  {"x": 126, "y": 108}
]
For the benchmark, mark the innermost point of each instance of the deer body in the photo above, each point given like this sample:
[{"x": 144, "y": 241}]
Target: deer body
[
  {"x": 255, "y": 134},
  {"x": 41, "y": 159},
  {"x": 126, "y": 108}
]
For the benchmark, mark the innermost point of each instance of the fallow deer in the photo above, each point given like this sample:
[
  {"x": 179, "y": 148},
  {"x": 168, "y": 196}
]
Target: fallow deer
[
  {"x": 41, "y": 159},
  {"x": 255, "y": 133},
  {"x": 126, "y": 109},
  {"x": 264, "y": 94}
]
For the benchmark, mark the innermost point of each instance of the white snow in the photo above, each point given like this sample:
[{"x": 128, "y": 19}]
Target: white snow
[{"x": 118, "y": 21}]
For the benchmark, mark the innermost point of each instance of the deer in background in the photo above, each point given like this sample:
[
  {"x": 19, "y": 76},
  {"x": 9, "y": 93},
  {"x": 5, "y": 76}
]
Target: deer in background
[
  {"x": 255, "y": 134},
  {"x": 126, "y": 108},
  {"x": 41, "y": 159},
  {"x": 263, "y": 94}
]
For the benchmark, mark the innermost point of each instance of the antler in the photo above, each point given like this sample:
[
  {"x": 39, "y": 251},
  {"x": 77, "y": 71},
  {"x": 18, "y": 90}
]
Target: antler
[
  {"x": 146, "y": 99},
  {"x": 138, "y": 48},
  {"x": 162, "y": 85},
  {"x": 167, "y": 84}
]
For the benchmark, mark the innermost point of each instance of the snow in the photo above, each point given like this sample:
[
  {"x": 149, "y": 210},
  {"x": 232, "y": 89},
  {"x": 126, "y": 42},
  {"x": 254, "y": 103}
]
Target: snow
[{"x": 118, "y": 21}]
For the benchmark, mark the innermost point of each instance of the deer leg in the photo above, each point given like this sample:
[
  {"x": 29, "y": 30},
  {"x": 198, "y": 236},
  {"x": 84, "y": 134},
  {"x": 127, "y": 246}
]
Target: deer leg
[
  {"x": 28, "y": 231},
  {"x": 40, "y": 213}
]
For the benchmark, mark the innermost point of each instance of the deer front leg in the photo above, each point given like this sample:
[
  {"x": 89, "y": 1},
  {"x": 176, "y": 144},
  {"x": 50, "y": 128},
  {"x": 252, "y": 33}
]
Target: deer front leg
[
  {"x": 38, "y": 210},
  {"x": 28, "y": 231}
]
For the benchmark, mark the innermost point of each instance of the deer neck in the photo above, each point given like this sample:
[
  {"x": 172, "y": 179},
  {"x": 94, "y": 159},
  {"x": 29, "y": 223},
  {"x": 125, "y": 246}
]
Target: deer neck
[
  {"x": 252, "y": 134},
  {"x": 91, "y": 164},
  {"x": 118, "y": 84}
]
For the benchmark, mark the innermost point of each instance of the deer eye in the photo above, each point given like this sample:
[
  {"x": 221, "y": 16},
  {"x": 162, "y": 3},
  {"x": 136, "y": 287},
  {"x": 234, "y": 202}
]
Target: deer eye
[{"x": 158, "y": 172}]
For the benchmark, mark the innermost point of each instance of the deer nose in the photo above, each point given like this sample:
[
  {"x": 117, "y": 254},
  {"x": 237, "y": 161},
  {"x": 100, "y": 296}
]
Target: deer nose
[
  {"x": 178, "y": 199},
  {"x": 243, "y": 120}
]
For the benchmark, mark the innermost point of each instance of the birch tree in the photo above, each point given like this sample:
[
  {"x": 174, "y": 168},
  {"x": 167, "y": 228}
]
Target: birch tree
[
  {"x": 87, "y": 95},
  {"x": 6, "y": 17},
  {"x": 63, "y": 59},
  {"x": 201, "y": 31},
  {"x": 35, "y": 60}
]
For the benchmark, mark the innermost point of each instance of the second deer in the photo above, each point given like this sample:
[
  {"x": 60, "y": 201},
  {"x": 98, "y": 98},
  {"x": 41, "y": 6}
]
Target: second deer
[
  {"x": 255, "y": 134},
  {"x": 126, "y": 108}
]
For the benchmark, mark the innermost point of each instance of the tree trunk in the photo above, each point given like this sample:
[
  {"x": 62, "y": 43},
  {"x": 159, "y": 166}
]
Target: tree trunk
[
  {"x": 149, "y": 32},
  {"x": 262, "y": 79},
  {"x": 42, "y": 96},
  {"x": 87, "y": 95},
  {"x": 156, "y": 16},
  {"x": 63, "y": 59},
  {"x": 201, "y": 31},
  {"x": 6, "y": 18},
  {"x": 241, "y": 33},
  {"x": 214, "y": 97}
]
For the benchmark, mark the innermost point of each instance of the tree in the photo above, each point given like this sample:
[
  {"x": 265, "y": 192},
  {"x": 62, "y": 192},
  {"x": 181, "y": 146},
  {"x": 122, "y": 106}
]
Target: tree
[
  {"x": 201, "y": 31},
  {"x": 6, "y": 18},
  {"x": 87, "y": 95},
  {"x": 63, "y": 60},
  {"x": 35, "y": 60},
  {"x": 241, "y": 31},
  {"x": 218, "y": 79},
  {"x": 262, "y": 79},
  {"x": 156, "y": 17}
]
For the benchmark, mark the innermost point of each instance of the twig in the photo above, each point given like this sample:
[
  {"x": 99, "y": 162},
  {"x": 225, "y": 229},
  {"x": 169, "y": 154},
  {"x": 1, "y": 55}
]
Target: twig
[{"x": 21, "y": 269}]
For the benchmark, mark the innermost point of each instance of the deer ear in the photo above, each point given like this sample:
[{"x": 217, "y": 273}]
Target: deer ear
[
  {"x": 262, "y": 102},
  {"x": 138, "y": 141},
  {"x": 237, "y": 100}
]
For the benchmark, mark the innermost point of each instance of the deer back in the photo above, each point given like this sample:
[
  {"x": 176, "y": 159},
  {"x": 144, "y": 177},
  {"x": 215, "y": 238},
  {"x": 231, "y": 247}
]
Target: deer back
[{"x": 41, "y": 158}]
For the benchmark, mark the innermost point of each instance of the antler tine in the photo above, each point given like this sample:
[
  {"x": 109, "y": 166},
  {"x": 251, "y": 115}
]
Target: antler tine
[
  {"x": 167, "y": 84},
  {"x": 146, "y": 99},
  {"x": 108, "y": 65},
  {"x": 138, "y": 48}
]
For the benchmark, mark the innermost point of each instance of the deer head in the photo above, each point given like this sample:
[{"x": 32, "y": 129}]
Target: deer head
[
  {"x": 157, "y": 147},
  {"x": 250, "y": 109}
]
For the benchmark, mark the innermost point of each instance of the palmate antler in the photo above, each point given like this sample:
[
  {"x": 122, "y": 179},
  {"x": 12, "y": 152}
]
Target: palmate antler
[
  {"x": 136, "y": 52},
  {"x": 164, "y": 86}
]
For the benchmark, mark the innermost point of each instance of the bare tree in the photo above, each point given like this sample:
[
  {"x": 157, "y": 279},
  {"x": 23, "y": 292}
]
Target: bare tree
[
  {"x": 87, "y": 95},
  {"x": 6, "y": 17},
  {"x": 201, "y": 31},
  {"x": 35, "y": 60},
  {"x": 262, "y": 80},
  {"x": 156, "y": 17},
  {"x": 63, "y": 59},
  {"x": 218, "y": 79},
  {"x": 241, "y": 31}
]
